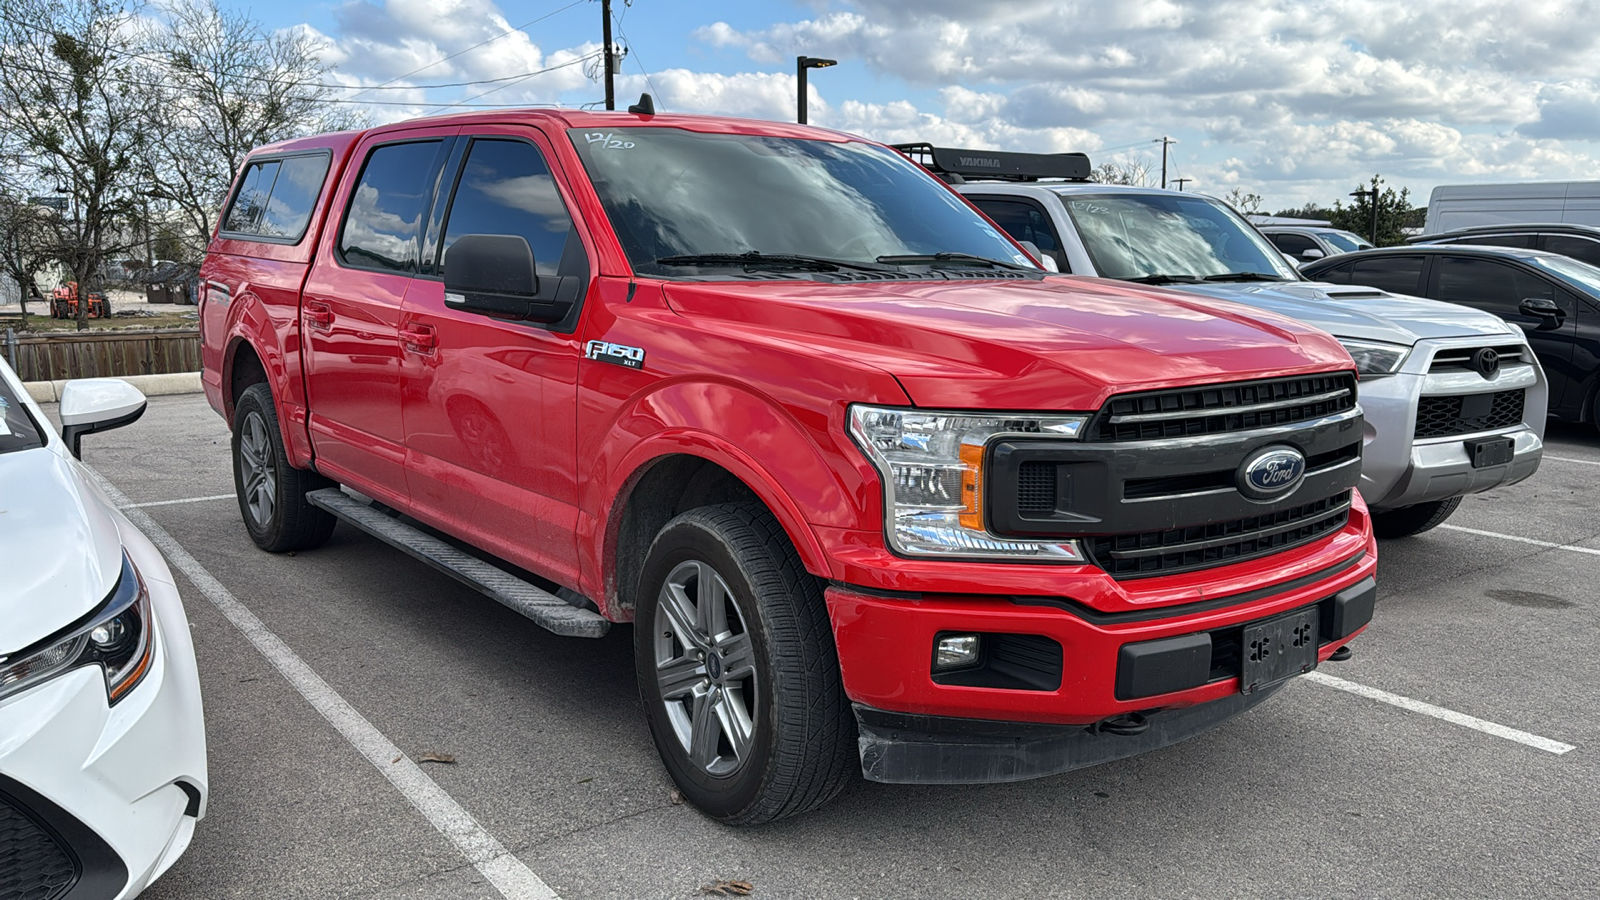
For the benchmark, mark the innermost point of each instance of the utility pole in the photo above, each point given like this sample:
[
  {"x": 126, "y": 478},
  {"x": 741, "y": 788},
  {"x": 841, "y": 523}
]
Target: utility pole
[
  {"x": 605, "y": 35},
  {"x": 1182, "y": 181},
  {"x": 1165, "y": 142}
]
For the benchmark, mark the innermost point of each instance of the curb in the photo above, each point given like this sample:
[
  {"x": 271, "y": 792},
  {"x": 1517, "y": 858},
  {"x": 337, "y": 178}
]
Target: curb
[{"x": 150, "y": 385}]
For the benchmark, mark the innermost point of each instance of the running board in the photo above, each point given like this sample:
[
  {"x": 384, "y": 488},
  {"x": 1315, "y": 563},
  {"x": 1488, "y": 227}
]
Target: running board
[{"x": 544, "y": 608}]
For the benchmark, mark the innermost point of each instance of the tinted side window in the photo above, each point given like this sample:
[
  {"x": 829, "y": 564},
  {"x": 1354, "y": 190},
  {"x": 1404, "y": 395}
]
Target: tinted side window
[
  {"x": 1396, "y": 274},
  {"x": 1024, "y": 222},
  {"x": 1498, "y": 240},
  {"x": 1332, "y": 274},
  {"x": 250, "y": 204},
  {"x": 1293, "y": 244},
  {"x": 1580, "y": 249},
  {"x": 1488, "y": 285},
  {"x": 387, "y": 206},
  {"x": 506, "y": 188}
]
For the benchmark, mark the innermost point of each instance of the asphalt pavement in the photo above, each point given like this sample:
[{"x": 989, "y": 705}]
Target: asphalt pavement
[{"x": 1319, "y": 792}]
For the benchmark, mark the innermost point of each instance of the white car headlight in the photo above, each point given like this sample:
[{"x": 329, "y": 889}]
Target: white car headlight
[
  {"x": 119, "y": 637},
  {"x": 1375, "y": 358},
  {"x": 931, "y": 464}
]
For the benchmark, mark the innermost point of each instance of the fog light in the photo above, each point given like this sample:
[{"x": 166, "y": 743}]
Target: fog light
[{"x": 955, "y": 651}]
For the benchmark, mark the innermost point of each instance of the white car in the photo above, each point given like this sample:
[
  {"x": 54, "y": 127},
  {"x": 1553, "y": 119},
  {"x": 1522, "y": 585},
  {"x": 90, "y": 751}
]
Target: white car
[{"x": 102, "y": 743}]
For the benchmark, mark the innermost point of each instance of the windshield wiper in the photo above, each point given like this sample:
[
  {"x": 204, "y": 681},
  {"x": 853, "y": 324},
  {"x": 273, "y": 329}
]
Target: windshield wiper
[
  {"x": 1164, "y": 279},
  {"x": 755, "y": 259},
  {"x": 960, "y": 259},
  {"x": 1244, "y": 276}
]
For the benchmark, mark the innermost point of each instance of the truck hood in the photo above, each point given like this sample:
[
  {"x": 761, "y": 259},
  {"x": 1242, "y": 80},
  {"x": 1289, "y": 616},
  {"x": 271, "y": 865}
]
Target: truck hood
[
  {"x": 1362, "y": 313},
  {"x": 1060, "y": 343},
  {"x": 62, "y": 554}
]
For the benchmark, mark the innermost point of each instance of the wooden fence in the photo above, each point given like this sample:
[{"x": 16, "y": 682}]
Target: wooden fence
[{"x": 54, "y": 357}]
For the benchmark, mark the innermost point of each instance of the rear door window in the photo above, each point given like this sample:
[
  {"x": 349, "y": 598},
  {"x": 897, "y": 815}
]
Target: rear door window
[
  {"x": 1396, "y": 274},
  {"x": 1580, "y": 249},
  {"x": 506, "y": 188},
  {"x": 276, "y": 197},
  {"x": 387, "y": 207}
]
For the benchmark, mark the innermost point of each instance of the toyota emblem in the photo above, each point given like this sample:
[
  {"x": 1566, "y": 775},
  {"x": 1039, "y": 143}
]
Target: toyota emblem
[{"x": 1487, "y": 362}]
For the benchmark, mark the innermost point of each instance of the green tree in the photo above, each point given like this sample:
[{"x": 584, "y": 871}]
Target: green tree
[{"x": 1394, "y": 210}]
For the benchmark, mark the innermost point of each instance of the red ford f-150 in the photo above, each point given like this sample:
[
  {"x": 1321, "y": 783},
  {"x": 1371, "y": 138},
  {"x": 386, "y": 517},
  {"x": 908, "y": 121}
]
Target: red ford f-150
[{"x": 875, "y": 491}]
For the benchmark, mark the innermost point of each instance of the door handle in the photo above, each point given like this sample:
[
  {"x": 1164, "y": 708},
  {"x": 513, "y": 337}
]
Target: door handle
[
  {"x": 320, "y": 315},
  {"x": 422, "y": 337}
]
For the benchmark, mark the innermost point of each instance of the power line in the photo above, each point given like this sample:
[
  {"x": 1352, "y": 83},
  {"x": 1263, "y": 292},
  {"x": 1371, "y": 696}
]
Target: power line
[{"x": 571, "y": 62}]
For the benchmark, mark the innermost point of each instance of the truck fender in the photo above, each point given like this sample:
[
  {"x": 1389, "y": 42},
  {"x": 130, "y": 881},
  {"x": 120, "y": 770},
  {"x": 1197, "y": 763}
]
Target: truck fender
[{"x": 250, "y": 326}]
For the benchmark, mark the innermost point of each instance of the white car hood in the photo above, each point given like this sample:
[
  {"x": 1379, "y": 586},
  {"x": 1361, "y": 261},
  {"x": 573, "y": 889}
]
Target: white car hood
[
  {"x": 60, "y": 553},
  {"x": 1362, "y": 313}
]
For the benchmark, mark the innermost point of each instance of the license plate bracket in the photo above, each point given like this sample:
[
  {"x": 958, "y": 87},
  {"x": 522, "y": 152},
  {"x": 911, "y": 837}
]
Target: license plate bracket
[
  {"x": 1279, "y": 648},
  {"x": 1486, "y": 452}
]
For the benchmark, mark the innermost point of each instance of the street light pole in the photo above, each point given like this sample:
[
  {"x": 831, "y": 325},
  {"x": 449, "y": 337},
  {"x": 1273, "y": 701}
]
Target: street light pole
[
  {"x": 1372, "y": 200},
  {"x": 801, "y": 64}
]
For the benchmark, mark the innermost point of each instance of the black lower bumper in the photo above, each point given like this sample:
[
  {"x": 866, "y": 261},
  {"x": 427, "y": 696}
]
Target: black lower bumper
[
  {"x": 908, "y": 749},
  {"x": 46, "y": 853}
]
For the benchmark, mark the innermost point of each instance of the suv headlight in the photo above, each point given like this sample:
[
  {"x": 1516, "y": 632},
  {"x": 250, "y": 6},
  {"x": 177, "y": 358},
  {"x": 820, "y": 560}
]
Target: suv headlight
[
  {"x": 931, "y": 465},
  {"x": 1375, "y": 358},
  {"x": 119, "y": 637}
]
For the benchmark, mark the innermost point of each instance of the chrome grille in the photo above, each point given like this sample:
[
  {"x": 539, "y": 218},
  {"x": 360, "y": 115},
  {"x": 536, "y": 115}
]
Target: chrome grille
[{"x": 1453, "y": 359}]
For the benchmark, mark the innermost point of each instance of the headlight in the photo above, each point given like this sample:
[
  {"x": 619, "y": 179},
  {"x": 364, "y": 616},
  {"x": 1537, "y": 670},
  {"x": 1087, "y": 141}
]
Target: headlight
[
  {"x": 119, "y": 637},
  {"x": 931, "y": 464},
  {"x": 1374, "y": 358}
]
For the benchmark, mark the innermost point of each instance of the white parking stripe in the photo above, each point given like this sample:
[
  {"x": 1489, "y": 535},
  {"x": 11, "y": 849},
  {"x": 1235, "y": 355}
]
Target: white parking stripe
[
  {"x": 171, "y": 502},
  {"x": 1581, "y": 462},
  {"x": 1522, "y": 540},
  {"x": 1439, "y": 712},
  {"x": 513, "y": 879}
]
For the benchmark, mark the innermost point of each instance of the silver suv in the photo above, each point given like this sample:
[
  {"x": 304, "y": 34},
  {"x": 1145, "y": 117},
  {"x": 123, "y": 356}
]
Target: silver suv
[
  {"x": 1307, "y": 243},
  {"x": 1454, "y": 398}
]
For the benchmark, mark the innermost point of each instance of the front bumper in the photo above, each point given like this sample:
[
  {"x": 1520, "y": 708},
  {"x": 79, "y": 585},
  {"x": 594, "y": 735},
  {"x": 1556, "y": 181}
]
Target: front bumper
[
  {"x": 116, "y": 790},
  {"x": 1398, "y": 469}
]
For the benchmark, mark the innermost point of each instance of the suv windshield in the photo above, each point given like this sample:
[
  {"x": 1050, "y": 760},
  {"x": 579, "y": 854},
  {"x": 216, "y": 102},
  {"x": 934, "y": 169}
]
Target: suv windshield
[
  {"x": 18, "y": 431},
  {"x": 1344, "y": 240},
  {"x": 1172, "y": 237},
  {"x": 740, "y": 201}
]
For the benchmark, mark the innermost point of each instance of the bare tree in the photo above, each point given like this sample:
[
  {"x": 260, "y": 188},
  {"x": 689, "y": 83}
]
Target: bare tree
[
  {"x": 227, "y": 85},
  {"x": 69, "y": 96},
  {"x": 1135, "y": 172},
  {"x": 1245, "y": 202},
  {"x": 27, "y": 244}
]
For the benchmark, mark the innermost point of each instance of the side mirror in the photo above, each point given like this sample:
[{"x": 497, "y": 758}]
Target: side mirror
[
  {"x": 1540, "y": 308},
  {"x": 494, "y": 275},
  {"x": 97, "y": 404},
  {"x": 1044, "y": 259},
  {"x": 1311, "y": 253}
]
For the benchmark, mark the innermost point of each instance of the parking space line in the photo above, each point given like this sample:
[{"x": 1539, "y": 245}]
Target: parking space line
[
  {"x": 513, "y": 879},
  {"x": 1439, "y": 712},
  {"x": 172, "y": 502},
  {"x": 1581, "y": 462},
  {"x": 1522, "y": 540}
]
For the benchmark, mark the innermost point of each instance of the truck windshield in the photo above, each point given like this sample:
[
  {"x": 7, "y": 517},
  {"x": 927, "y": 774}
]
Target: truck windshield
[
  {"x": 1166, "y": 238},
  {"x": 682, "y": 202}
]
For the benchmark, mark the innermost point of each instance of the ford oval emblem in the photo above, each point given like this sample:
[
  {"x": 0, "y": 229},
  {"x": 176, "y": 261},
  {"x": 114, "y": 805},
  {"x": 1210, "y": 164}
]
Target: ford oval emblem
[{"x": 1271, "y": 473}]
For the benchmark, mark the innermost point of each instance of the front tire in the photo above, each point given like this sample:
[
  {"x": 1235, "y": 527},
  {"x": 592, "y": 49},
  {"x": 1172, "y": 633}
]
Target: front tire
[
  {"x": 738, "y": 670},
  {"x": 272, "y": 493},
  {"x": 1409, "y": 520}
]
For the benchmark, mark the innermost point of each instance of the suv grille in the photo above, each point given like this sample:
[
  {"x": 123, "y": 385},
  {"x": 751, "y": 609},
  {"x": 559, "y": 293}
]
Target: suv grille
[
  {"x": 1468, "y": 413},
  {"x": 1460, "y": 358},
  {"x": 32, "y": 865},
  {"x": 1219, "y": 543},
  {"x": 1215, "y": 409}
]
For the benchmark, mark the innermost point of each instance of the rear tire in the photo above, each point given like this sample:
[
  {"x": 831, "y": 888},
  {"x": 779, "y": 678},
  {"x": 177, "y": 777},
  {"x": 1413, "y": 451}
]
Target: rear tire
[
  {"x": 738, "y": 670},
  {"x": 1409, "y": 520},
  {"x": 272, "y": 493}
]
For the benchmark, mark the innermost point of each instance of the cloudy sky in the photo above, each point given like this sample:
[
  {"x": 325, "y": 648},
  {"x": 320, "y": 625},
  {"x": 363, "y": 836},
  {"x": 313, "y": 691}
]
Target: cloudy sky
[{"x": 1296, "y": 100}]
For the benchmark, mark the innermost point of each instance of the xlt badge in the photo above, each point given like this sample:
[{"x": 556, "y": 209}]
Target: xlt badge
[{"x": 604, "y": 351}]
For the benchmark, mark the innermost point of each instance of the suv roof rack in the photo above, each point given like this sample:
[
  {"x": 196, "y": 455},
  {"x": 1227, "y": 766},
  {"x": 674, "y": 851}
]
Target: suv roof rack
[
  {"x": 956, "y": 166},
  {"x": 1512, "y": 227}
]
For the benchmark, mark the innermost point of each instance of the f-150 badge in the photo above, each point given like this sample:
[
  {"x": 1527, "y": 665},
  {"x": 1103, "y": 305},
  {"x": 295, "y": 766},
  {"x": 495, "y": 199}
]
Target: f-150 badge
[{"x": 632, "y": 357}]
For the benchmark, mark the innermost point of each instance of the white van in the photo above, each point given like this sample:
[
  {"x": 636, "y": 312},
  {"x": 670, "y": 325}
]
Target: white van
[{"x": 1455, "y": 206}]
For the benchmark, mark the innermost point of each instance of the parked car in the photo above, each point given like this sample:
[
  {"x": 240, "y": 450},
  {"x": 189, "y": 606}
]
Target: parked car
[
  {"x": 1430, "y": 440},
  {"x": 1553, "y": 299},
  {"x": 1581, "y": 242},
  {"x": 1453, "y": 206},
  {"x": 1307, "y": 243},
  {"x": 876, "y": 494},
  {"x": 102, "y": 745}
]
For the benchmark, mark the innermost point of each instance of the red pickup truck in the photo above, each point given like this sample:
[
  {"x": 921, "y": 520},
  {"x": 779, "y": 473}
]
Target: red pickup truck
[{"x": 876, "y": 492}]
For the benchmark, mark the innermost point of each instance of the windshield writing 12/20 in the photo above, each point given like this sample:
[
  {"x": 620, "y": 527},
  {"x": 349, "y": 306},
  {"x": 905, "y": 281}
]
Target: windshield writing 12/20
[
  {"x": 1139, "y": 235},
  {"x": 676, "y": 193}
]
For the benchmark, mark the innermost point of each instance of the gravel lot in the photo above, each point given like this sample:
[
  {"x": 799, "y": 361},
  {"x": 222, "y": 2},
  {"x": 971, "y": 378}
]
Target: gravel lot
[{"x": 1320, "y": 792}]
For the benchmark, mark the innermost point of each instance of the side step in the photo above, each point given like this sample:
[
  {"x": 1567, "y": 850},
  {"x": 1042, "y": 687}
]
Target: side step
[{"x": 544, "y": 608}]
